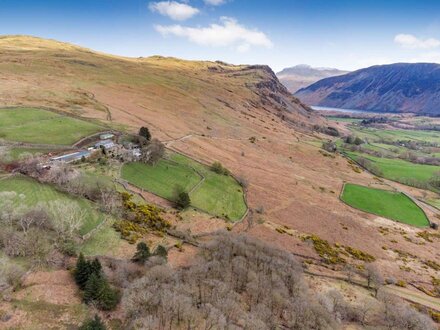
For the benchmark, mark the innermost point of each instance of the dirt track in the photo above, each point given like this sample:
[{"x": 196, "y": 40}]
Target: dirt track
[{"x": 414, "y": 296}]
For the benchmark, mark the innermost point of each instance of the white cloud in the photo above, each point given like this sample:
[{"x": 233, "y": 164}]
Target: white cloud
[
  {"x": 430, "y": 57},
  {"x": 174, "y": 10},
  {"x": 228, "y": 33},
  {"x": 215, "y": 2},
  {"x": 412, "y": 42}
]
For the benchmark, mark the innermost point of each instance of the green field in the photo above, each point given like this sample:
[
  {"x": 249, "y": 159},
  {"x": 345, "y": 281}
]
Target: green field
[
  {"x": 344, "y": 119},
  {"x": 217, "y": 194},
  {"x": 16, "y": 153},
  {"x": 35, "y": 192},
  {"x": 399, "y": 170},
  {"x": 45, "y": 127},
  {"x": 375, "y": 135},
  {"x": 388, "y": 204},
  {"x": 161, "y": 179}
]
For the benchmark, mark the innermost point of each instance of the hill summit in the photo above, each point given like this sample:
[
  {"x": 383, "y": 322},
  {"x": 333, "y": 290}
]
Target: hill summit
[
  {"x": 303, "y": 75},
  {"x": 41, "y": 72}
]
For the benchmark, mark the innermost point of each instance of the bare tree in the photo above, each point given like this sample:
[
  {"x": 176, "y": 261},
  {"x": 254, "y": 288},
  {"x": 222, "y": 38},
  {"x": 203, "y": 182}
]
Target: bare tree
[
  {"x": 374, "y": 277},
  {"x": 11, "y": 274},
  {"x": 67, "y": 218},
  {"x": 152, "y": 152},
  {"x": 237, "y": 281},
  {"x": 399, "y": 315},
  {"x": 35, "y": 217},
  {"x": 11, "y": 207}
]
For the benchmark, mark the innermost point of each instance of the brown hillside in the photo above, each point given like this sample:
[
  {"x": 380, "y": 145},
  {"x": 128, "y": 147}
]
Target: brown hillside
[{"x": 217, "y": 108}]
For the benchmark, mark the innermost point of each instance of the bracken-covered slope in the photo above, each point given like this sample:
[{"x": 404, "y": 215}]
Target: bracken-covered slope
[
  {"x": 43, "y": 72},
  {"x": 303, "y": 75},
  {"x": 401, "y": 87},
  {"x": 239, "y": 115}
]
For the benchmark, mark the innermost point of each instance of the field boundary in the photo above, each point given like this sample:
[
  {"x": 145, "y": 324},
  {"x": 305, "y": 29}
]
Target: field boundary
[
  {"x": 195, "y": 187},
  {"x": 382, "y": 216},
  {"x": 345, "y": 155},
  {"x": 232, "y": 175},
  {"x": 415, "y": 200}
]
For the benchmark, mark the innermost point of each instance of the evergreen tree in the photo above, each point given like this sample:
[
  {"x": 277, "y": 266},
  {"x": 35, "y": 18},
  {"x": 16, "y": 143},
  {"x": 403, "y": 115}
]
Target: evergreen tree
[
  {"x": 161, "y": 251},
  {"x": 142, "y": 253},
  {"x": 93, "y": 288},
  {"x": 95, "y": 267},
  {"x": 145, "y": 132},
  {"x": 93, "y": 324},
  {"x": 108, "y": 298},
  {"x": 82, "y": 271},
  {"x": 99, "y": 291}
]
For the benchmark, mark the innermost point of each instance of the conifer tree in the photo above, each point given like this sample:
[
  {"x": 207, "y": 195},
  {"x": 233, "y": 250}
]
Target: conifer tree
[
  {"x": 145, "y": 132},
  {"x": 93, "y": 288},
  {"x": 96, "y": 267},
  {"x": 142, "y": 253},
  {"x": 82, "y": 271},
  {"x": 161, "y": 251},
  {"x": 108, "y": 298}
]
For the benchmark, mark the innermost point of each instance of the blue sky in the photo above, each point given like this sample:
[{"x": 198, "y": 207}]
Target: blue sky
[{"x": 281, "y": 33}]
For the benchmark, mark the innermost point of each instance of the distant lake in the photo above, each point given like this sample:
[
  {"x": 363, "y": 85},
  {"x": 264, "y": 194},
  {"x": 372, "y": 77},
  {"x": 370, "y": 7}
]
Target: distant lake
[{"x": 344, "y": 110}]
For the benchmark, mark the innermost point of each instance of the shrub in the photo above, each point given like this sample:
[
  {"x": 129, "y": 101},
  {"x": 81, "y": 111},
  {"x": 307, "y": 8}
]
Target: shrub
[
  {"x": 401, "y": 283},
  {"x": 325, "y": 251},
  {"x": 93, "y": 324},
  {"x": 142, "y": 217},
  {"x": 183, "y": 200},
  {"x": 10, "y": 273},
  {"x": 359, "y": 255},
  {"x": 218, "y": 168},
  {"x": 329, "y": 146},
  {"x": 161, "y": 251},
  {"x": 142, "y": 253}
]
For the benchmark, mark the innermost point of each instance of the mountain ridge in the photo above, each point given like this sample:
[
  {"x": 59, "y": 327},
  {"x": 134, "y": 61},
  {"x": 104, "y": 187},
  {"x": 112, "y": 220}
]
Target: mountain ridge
[
  {"x": 399, "y": 87},
  {"x": 73, "y": 78},
  {"x": 302, "y": 75}
]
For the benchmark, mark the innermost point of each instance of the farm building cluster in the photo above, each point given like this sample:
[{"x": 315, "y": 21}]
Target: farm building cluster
[{"x": 107, "y": 142}]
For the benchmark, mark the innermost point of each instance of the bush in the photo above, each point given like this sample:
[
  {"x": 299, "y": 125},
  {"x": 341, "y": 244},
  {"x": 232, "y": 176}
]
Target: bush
[
  {"x": 329, "y": 254},
  {"x": 183, "y": 200},
  {"x": 11, "y": 274},
  {"x": 161, "y": 251},
  {"x": 142, "y": 253},
  {"x": 93, "y": 324},
  {"x": 218, "y": 168},
  {"x": 329, "y": 146},
  {"x": 141, "y": 218}
]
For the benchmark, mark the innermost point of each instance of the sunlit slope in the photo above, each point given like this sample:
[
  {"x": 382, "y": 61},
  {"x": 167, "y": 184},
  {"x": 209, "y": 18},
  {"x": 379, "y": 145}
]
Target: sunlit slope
[{"x": 171, "y": 95}]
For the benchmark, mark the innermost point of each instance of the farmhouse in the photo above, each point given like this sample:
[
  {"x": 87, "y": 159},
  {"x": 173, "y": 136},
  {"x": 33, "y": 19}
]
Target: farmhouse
[
  {"x": 107, "y": 144},
  {"x": 72, "y": 157}
]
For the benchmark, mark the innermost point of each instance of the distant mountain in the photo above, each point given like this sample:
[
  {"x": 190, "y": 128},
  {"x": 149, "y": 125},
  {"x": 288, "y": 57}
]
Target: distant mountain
[
  {"x": 401, "y": 87},
  {"x": 303, "y": 75}
]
